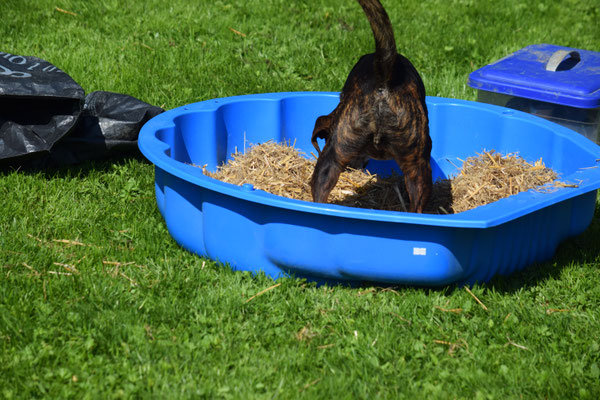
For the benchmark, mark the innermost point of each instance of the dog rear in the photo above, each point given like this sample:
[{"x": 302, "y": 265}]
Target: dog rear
[{"x": 382, "y": 114}]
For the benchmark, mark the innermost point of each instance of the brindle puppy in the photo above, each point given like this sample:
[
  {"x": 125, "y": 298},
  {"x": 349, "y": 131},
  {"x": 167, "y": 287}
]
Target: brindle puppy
[{"x": 381, "y": 114}]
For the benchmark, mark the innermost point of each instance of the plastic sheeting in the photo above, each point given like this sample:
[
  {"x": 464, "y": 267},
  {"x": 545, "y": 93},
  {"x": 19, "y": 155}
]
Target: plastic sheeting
[{"x": 47, "y": 120}]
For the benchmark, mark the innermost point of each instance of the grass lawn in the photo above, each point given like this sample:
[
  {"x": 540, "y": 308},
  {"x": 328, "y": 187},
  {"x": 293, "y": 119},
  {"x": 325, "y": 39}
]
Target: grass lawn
[{"x": 97, "y": 300}]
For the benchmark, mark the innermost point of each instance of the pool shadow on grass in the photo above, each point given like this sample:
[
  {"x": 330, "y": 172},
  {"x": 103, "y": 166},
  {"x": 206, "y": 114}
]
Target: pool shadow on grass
[
  {"x": 578, "y": 252},
  {"x": 581, "y": 251}
]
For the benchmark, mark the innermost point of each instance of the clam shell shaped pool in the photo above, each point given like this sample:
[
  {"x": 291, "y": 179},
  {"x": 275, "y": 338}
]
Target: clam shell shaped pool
[{"x": 252, "y": 230}]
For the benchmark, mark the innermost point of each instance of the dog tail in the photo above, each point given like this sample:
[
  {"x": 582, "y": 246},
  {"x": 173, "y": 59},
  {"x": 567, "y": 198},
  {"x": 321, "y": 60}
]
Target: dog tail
[{"x": 385, "y": 44}]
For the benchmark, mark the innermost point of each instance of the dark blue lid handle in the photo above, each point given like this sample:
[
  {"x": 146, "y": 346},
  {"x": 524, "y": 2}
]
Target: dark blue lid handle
[{"x": 559, "y": 56}]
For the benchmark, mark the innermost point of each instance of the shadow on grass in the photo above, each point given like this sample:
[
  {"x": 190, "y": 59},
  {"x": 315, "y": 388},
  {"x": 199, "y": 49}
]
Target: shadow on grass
[
  {"x": 579, "y": 251},
  {"x": 65, "y": 171}
]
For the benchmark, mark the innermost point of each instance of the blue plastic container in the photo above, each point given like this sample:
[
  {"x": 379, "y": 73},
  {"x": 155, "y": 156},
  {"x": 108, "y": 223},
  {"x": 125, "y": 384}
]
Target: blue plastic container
[
  {"x": 561, "y": 84},
  {"x": 253, "y": 230}
]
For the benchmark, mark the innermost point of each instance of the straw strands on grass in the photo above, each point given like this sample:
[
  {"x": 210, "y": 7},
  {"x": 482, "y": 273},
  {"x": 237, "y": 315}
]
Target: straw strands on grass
[{"x": 283, "y": 170}]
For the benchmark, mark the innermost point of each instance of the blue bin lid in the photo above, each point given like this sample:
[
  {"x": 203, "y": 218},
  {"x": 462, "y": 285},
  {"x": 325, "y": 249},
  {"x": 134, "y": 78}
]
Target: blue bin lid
[{"x": 545, "y": 72}]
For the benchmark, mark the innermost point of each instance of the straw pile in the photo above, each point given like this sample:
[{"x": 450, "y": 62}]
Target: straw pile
[
  {"x": 491, "y": 176},
  {"x": 283, "y": 170}
]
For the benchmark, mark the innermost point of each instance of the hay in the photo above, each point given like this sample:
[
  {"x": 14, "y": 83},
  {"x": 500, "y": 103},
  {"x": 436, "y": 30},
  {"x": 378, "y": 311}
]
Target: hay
[
  {"x": 283, "y": 170},
  {"x": 491, "y": 176}
]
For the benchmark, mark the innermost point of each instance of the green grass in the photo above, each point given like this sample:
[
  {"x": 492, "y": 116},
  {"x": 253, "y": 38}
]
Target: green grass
[{"x": 138, "y": 317}]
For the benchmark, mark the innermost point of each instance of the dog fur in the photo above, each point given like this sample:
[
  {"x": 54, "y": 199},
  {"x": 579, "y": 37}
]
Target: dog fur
[{"x": 382, "y": 115}]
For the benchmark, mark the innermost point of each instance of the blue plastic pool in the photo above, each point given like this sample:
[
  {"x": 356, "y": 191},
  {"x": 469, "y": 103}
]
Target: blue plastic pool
[{"x": 249, "y": 229}]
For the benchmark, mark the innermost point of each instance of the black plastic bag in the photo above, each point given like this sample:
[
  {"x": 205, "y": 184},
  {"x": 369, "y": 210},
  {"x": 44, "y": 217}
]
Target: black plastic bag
[
  {"x": 46, "y": 119},
  {"x": 108, "y": 127}
]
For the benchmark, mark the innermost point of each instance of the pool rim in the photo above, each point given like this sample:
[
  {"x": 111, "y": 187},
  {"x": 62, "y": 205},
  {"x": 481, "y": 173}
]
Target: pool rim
[{"x": 485, "y": 216}]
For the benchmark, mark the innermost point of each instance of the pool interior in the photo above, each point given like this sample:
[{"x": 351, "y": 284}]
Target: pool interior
[{"x": 458, "y": 131}]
